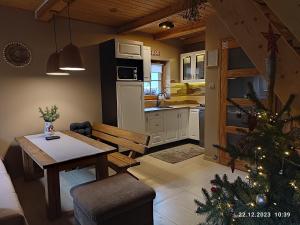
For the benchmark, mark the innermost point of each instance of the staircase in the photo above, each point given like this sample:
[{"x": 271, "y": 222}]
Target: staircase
[
  {"x": 288, "y": 13},
  {"x": 278, "y": 22},
  {"x": 246, "y": 20}
]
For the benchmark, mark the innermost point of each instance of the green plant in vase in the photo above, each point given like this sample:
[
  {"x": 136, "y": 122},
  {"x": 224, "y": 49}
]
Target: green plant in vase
[{"x": 49, "y": 115}]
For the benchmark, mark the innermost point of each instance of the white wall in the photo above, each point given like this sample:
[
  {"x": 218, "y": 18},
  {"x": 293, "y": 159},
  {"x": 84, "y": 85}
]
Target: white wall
[{"x": 23, "y": 90}]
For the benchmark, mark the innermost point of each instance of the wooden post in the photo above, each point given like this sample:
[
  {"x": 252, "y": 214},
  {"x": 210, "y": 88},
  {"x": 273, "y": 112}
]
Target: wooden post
[
  {"x": 53, "y": 192},
  {"x": 101, "y": 167}
]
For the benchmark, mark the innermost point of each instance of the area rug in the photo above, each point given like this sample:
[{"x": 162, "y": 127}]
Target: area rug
[{"x": 178, "y": 153}]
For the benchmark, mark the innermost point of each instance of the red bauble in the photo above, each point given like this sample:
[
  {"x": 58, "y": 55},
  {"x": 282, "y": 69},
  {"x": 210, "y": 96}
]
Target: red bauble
[{"x": 214, "y": 189}]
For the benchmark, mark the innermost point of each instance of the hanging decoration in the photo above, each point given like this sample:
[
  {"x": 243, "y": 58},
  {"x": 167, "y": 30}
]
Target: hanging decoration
[
  {"x": 17, "y": 54},
  {"x": 193, "y": 9}
]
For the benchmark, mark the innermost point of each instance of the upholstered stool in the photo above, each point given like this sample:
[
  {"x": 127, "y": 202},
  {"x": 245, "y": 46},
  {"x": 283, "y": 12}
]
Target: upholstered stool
[{"x": 117, "y": 200}]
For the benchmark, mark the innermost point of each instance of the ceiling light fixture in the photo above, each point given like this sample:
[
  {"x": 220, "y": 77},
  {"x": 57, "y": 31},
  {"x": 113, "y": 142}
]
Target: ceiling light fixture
[
  {"x": 53, "y": 60},
  {"x": 166, "y": 25},
  {"x": 70, "y": 58}
]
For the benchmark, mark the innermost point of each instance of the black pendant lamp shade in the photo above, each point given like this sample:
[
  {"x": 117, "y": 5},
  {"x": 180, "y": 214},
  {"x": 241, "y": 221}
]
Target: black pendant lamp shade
[
  {"x": 53, "y": 60},
  {"x": 70, "y": 57}
]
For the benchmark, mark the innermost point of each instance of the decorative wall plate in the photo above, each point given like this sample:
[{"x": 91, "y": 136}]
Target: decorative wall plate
[{"x": 17, "y": 54}]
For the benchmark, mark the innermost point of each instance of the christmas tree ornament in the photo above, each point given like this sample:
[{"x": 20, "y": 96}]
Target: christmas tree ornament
[
  {"x": 272, "y": 39},
  {"x": 261, "y": 199},
  {"x": 214, "y": 189}
]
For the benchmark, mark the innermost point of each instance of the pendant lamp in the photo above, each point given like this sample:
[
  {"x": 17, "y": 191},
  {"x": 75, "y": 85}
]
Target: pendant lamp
[
  {"x": 70, "y": 58},
  {"x": 53, "y": 60}
]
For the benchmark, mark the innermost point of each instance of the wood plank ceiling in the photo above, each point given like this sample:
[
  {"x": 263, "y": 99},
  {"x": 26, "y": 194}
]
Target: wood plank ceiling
[{"x": 125, "y": 15}]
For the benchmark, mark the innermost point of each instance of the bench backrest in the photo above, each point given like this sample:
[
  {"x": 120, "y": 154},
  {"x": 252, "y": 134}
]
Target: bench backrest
[{"x": 134, "y": 141}]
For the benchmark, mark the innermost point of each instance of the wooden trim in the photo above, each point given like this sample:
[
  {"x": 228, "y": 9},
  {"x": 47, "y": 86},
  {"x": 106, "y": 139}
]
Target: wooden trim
[
  {"x": 179, "y": 32},
  {"x": 235, "y": 130},
  {"x": 241, "y": 102},
  {"x": 245, "y": 102},
  {"x": 45, "y": 11},
  {"x": 223, "y": 96},
  {"x": 242, "y": 73},
  {"x": 153, "y": 17},
  {"x": 226, "y": 74}
]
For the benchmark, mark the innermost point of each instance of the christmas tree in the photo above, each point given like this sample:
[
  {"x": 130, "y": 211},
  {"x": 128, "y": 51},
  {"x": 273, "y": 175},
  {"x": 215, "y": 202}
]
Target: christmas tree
[{"x": 270, "y": 194}]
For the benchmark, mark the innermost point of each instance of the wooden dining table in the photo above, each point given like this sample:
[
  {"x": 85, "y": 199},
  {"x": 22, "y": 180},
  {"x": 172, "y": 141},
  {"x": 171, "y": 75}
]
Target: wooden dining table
[{"x": 69, "y": 152}]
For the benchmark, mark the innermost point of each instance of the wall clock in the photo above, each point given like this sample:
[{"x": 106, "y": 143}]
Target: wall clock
[{"x": 17, "y": 54}]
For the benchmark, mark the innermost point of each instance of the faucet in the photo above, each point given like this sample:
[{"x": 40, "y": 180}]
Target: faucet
[{"x": 157, "y": 98}]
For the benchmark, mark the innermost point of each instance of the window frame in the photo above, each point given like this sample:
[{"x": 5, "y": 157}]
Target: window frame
[{"x": 162, "y": 80}]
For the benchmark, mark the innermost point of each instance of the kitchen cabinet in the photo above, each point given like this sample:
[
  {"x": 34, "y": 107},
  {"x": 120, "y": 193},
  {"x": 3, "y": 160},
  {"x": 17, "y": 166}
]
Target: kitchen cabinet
[
  {"x": 167, "y": 126},
  {"x": 183, "y": 123},
  {"x": 192, "y": 67},
  {"x": 147, "y": 63},
  {"x": 194, "y": 124},
  {"x": 128, "y": 49},
  {"x": 172, "y": 125},
  {"x": 130, "y": 106},
  {"x": 155, "y": 127}
]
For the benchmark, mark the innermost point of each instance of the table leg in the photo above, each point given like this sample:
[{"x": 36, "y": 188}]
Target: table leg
[
  {"x": 101, "y": 167},
  {"x": 53, "y": 192},
  {"x": 31, "y": 169}
]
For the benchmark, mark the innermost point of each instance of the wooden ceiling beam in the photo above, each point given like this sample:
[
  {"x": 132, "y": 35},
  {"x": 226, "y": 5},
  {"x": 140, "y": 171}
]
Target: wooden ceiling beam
[
  {"x": 179, "y": 32},
  {"x": 153, "y": 17},
  {"x": 45, "y": 11},
  {"x": 196, "y": 38}
]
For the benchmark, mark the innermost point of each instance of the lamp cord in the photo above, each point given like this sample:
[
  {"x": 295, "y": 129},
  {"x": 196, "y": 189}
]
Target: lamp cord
[
  {"x": 69, "y": 19},
  {"x": 54, "y": 28}
]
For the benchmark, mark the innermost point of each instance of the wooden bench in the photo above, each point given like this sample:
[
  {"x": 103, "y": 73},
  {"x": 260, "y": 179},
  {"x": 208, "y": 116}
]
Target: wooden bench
[{"x": 135, "y": 142}]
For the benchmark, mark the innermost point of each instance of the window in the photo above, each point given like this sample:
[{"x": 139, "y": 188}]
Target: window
[{"x": 155, "y": 85}]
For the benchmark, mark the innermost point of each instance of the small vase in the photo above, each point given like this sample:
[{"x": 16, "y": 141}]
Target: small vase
[{"x": 48, "y": 129}]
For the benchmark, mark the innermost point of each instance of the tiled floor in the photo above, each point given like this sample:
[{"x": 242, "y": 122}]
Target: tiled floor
[{"x": 176, "y": 185}]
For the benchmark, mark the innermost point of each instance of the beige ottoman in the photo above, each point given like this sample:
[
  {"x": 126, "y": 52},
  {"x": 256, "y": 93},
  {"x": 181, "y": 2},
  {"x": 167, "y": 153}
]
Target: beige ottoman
[{"x": 120, "y": 199}]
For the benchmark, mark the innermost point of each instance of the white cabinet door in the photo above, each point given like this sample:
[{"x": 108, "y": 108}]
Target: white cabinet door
[
  {"x": 155, "y": 128},
  {"x": 130, "y": 103},
  {"x": 147, "y": 63},
  {"x": 194, "y": 124},
  {"x": 128, "y": 49},
  {"x": 192, "y": 67},
  {"x": 183, "y": 123},
  {"x": 171, "y": 119}
]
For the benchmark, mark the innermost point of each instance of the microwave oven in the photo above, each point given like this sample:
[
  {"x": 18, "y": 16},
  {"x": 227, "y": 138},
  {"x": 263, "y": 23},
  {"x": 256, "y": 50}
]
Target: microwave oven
[{"x": 126, "y": 73}]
